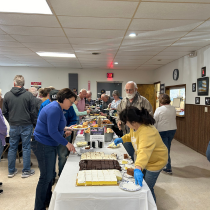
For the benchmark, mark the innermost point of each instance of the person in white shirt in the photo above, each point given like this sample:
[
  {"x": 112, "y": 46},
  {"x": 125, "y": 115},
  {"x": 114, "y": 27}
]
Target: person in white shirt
[{"x": 165, "y": 117}]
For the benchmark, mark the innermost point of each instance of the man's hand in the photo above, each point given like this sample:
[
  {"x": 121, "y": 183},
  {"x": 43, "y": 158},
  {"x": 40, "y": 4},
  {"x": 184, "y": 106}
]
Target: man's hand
[
  {"x": 70, "y": 147},
  {"x": 119, "y": 125},
  {"x": 88, "y": 111},
  {"x": 68, "y": 133}
]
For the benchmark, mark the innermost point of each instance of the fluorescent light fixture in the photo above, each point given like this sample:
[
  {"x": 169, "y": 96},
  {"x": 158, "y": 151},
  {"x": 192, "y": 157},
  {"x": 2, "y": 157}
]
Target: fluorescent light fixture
[
  {"x": 56, "y": 54},
  {"x": 115, "y": 63},
  {"x": 132, "y": 35},
  {"x": 25, "y": 6}
]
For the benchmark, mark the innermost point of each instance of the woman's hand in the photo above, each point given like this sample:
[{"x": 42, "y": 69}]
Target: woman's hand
[
  {"x": 109, "y": 105},
  {"x": 138, "y": 175},
  {"x": 70, "y": 147},
  {"x": 68, "y": 133},
  {"x": 88, "y": 111},
  {"x": 118, "y": 141}
]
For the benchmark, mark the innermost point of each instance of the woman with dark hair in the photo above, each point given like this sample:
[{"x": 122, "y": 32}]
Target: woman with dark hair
[
  {"x": 150, "y": 152},
  {"x": 48, "y": 135},
  {"x": 45, "y": 93},
  {"x": 165, "y": 117}
]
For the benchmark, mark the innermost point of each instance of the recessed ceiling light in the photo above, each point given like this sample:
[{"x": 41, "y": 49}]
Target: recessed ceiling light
[
  {"x": 159, "y": 59},
  {"x": 95, "y": 53},
  {"x": 132, "y": 35},
  {"x": 55, "y": 54},
  {"x": 25, "y": 6},
  {"x": 115, "y": 63}
]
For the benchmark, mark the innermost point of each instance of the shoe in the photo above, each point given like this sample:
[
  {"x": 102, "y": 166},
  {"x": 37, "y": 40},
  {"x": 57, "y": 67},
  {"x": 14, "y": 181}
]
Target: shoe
[
  {"x": 168, "y": 171},
  {"x": 1, "y": 183},
  {"x": 1, "y": 191},
  {"x": 26, "y": 174},
  {"x": 10, "y": 175}
]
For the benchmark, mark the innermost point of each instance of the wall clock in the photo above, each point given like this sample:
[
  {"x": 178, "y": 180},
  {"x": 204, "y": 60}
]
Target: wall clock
[{"x": 176, "y": 74}]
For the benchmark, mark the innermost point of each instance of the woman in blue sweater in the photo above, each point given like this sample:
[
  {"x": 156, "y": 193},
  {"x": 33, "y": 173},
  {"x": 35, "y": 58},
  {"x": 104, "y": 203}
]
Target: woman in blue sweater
[{"x": 48, "y": 135}]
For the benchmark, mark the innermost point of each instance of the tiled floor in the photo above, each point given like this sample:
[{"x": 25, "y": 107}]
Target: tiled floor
[{"x": 186, "y": 189}]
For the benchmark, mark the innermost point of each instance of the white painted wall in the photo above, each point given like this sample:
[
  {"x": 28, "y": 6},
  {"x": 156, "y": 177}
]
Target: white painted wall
[
  {"x": 189, "y": 72},
  {"x": 59, "y": 77}
]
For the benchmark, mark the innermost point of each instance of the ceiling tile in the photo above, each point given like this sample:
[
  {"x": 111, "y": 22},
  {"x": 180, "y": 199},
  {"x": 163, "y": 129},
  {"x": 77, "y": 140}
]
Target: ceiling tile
[
  {"x": 142, "y": 48},
  {"x": 172, "y": 53},
  {"x": 28, "y": 20},
  {"x": 6, "y": 38},
  {"x": 191, "y": 43},
  {"x": 10, "y": 44},
  {"x": 166, "y": 57},
  {"x": 94, "y": 8},
  {"x": 166, "y": 25},
  {"x": 161, "y": 62},
  {"x": 147, "y": 42},
  {"x": 149, "y": 67},
  {"x": 176, "y": 11},
  {"x": 15, "y": 51},
  {"x": 204, "y": 27},
  {"x": 93, "y": 33},
  {"x": 33, "y": 31},
  {"x": 136, "y": 53},
  {"x": 199, "y": 35},
  {"x": 47, "y": 46},
  {"x": 95, "y": 41},
  {"x": 94, "y": 23},
  {"x": 181, "y": 49},
  {"x": 94, "y": 47},
  {"x": 156, "y": 34},
  {"x": 1, "y": 31},
  {"x": 132, "y": 57},
  {"x": 41, "y": 39},
  {"x": 182, "y": 1}
]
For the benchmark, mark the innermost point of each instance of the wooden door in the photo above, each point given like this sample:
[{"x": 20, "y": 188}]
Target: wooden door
[{"x": 148, "y": 91}]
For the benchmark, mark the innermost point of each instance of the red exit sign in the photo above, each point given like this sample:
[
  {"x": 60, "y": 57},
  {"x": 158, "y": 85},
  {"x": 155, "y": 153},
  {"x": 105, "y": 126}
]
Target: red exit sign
[{"x": 110, "y": 75}]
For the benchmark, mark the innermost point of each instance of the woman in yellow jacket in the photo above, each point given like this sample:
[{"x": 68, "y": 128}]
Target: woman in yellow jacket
[{"x": 151, "y": 154}]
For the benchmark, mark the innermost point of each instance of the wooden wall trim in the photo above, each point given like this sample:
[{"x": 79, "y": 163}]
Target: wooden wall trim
[{"x": 194, "y": 129}]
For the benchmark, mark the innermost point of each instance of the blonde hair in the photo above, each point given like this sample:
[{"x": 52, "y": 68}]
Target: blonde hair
[{"x": 33, "y": 90}]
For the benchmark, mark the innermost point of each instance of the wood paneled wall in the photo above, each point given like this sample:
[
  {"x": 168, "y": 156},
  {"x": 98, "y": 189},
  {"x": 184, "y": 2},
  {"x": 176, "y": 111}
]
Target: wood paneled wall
[{"x": 193, "y": 130}]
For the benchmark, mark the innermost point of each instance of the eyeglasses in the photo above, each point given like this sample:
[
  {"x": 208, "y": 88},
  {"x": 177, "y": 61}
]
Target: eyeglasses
[{"x": 70, "y": 101}]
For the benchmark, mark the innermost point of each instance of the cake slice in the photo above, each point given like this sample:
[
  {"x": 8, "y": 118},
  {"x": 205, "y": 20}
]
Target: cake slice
[{"x": 130, "y": 171}]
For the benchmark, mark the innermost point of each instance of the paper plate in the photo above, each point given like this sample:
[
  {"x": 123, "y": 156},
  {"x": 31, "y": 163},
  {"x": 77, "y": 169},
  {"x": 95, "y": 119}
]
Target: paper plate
[
  {"x": 129, "y": 186},
  {"x": 81, "y": 128},
  {"x": 128, "y": 162},
  {"x": 127, "y": 175}
]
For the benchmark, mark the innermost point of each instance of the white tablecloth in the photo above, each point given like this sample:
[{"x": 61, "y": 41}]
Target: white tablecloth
[{"x": 68, "y": 196}]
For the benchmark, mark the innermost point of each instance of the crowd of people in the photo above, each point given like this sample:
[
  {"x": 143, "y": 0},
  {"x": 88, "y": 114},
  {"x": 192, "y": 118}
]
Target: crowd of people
[{"x": 44, "y": 124}]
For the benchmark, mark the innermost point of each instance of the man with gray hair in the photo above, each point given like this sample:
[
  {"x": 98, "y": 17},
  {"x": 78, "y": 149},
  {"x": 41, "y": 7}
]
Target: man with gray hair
[
  {"x": 38, "y": 101},
  {"x": 19, "y": 110},
  {"x": 133, "y": 98}
]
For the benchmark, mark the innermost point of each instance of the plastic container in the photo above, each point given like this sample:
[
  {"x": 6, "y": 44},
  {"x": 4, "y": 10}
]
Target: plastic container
[
  {"x": 108, "y": 137},
  {"x": 87, "y": 136}
]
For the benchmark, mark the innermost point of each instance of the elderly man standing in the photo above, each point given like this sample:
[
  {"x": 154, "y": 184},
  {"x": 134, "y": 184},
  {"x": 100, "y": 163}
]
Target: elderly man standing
[
  {"x": 38, "y": 101},
  {"x": 81, "y": 103},
  {"x": 133, "y": 98},
  {"x": 19, "y": 110}
]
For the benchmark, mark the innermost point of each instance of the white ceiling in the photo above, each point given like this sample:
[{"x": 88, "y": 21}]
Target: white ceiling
[{"x": 166, "y": 30}]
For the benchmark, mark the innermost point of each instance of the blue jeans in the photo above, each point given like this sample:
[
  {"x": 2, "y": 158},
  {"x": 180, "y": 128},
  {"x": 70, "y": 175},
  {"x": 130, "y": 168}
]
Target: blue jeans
[
  {"x": 129, "y": 148},
  {"x": 1, "y": 149},
  {"x": 150, "y": 177},
  {"x": 208, "y": 152},
  {"x": 167, "y": 137},
  {"x": 63, "y": 152},
  {"x": 17, "y": 132},
  {"x": 46, "y": 156}
]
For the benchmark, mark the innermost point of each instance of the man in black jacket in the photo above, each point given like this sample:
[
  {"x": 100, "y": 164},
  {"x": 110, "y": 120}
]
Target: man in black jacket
[{"x": 19, "y": 110}]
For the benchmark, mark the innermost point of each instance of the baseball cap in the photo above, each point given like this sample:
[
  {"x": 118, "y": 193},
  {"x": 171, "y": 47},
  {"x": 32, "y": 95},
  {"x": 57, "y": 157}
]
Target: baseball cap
[{"x": 53, "y": 95}]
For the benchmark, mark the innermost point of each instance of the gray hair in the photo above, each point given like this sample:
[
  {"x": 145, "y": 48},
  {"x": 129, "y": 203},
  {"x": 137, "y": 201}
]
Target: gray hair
[
  {"x": 135, "y": 85},
  {"x": 89, "y": 92},
  {"x": 19, "y": 80},
  {"x": 116, "y": 92},
  {"x": 82, "y": 90},
  {"x": 105, "y": 95},
  {"x": 78, "y": 98},
  {"x": 33, "y": 90}
]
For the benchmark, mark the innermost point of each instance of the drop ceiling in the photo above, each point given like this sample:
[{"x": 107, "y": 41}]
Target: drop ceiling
[{"x": 166, "y": 30}]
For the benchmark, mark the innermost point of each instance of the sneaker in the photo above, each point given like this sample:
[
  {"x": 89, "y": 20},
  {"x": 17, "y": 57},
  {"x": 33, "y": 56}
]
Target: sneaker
[
  {"x": 26, "y": 174},
  {"x": 10, "y": 175},
  {"x": 1, "y": 191},
  {"x": 168, "y": 171}
]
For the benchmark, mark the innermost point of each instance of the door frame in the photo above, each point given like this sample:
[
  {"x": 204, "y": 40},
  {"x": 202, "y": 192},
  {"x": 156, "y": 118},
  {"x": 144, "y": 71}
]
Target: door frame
[{"x": 155, "y": 93}]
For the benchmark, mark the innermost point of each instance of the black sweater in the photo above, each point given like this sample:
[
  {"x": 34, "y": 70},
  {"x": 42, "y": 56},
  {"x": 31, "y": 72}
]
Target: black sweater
[{"x": 19, "y": 107}]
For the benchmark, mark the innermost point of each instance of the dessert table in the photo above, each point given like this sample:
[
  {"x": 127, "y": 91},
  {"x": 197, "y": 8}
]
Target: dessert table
[{"x": 67, "y": 195}]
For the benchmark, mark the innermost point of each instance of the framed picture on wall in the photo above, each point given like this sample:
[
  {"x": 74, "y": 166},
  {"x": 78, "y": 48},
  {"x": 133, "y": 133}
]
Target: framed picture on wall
[
  {"x": 193, "y": 87},
  {"x": 197, "y": 100},
  {"x": 207, "y": 100},
  {"x": 203, "y": 71},
  {"x": 203, "y": 86}
]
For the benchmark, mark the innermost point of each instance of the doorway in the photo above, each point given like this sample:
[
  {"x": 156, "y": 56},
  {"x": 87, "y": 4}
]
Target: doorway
[{"x": 109, "y": 87}]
